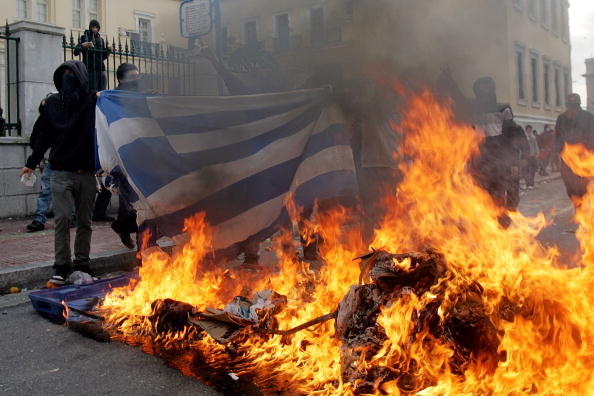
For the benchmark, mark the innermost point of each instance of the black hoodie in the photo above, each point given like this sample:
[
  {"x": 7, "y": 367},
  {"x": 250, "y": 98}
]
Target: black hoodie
[
  {"x": 68, "y": 127},
  {"x": 92, "y": 57}
]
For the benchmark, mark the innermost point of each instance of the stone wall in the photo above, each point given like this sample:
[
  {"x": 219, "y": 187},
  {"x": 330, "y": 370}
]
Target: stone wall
[{"x": 16, "y": 200}]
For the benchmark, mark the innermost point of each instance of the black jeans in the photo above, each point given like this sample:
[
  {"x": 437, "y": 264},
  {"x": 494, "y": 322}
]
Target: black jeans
[
  {"x": 71, "y": 189},
  {"x": 97, "y": 80},
  {"x": 530, "y": 170}
]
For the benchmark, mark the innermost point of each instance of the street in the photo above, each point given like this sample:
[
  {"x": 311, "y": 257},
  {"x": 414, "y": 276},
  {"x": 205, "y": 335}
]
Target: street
[{"x": 41, "y": 358}]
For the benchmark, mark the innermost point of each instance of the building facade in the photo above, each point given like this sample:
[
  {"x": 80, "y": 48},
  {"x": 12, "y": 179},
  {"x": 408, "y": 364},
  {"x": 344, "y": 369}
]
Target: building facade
[
  {"x": 143, "y": 20},
  {"x": 523, "y": 44}
]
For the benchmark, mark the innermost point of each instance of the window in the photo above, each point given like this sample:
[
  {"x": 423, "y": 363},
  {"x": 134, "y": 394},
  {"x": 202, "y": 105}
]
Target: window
[
  {"x": 532, "y": 9},
  {"x": 564, "y": 20},
  {"x": 534, "y": 77},
  {"x": 544, "y": 13},
  {"x": 555, "y": 16},
  {"x": 76, "y": 14},
  {"x": 251, "y": 33},
  {"x": 348, "y": 10},
  {"x": 520, "y": 51},
  {"x": 93, "y": 9},
  {"x": 42, "y": 10},
  {"x": 557, "y": 84},
  {"x": 22, "y": 9},
  {"x": 547, "y": 82},
  {"x": 145, "y": 30},
  {"x": 317, "y": 26},
  {"x": 283, "y": 32}
]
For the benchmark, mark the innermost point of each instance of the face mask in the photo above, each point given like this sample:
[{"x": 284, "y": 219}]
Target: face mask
[
  {"x": 70, "y": 87},
  {"x": 131, "y": 85}
]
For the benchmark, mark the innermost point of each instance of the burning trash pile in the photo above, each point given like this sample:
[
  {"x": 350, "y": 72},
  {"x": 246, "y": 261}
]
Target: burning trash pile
[{"x": 476, "y": 309}]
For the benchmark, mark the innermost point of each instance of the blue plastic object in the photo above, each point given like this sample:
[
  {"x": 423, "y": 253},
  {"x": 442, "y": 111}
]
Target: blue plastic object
[{"x": 49, "y": 302}]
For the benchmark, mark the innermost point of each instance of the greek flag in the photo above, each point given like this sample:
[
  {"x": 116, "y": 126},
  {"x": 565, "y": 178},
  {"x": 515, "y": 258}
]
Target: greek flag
[{"x": 236, "y": 158}]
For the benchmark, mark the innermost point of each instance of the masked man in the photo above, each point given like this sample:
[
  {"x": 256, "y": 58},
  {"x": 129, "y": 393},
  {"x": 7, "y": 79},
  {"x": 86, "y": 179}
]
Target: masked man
[{"x": 68, "y": 131}]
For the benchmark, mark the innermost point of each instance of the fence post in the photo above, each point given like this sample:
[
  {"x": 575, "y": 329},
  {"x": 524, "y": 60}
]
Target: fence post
[{"x": 40, "y": 53}]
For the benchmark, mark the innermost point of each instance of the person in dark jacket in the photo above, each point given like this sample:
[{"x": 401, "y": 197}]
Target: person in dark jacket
[
  {"x": 94, "y": 53},
  {"x": 574, "y": 126},
  {"x": 497, "y": 169},
  {"x": 128, "y": 80},
  {"x": 68, "y": 128},
  {"x": 2, "y": 122}
]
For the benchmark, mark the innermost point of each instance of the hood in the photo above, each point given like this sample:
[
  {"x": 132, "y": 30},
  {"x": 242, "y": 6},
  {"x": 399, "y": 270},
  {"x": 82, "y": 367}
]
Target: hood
[
  {"x": 487, "y": 81},
  {"x": 79, "y": 70},
  {"x": 95, "y": 23}
]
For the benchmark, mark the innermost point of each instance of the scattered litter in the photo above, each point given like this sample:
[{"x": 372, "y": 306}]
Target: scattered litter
[{"x": 80, "y": 278}]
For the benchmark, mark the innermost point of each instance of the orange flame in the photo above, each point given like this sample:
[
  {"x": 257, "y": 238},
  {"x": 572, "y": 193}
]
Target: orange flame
[{"x": 547, "y": 349}]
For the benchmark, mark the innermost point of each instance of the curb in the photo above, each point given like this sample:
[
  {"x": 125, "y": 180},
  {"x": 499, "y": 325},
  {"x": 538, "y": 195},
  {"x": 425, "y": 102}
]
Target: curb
[{"x": 34, "y": 274}]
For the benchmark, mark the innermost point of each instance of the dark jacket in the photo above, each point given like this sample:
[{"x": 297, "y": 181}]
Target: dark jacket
[
  {"x": 68, "y": 128},
  {"x": 36, "y": 131},
  {"x": 92, "y": 57},
  {"x": 580, "y": 129}
]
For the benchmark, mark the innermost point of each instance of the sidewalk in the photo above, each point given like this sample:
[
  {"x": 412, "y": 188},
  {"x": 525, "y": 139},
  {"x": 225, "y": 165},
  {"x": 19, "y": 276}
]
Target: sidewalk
[
  {"x": 18, "y": 247},
  {"x": 26, "y": 258}
]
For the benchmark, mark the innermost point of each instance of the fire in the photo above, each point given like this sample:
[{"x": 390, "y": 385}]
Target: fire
[{"x": 545, "y": 346}]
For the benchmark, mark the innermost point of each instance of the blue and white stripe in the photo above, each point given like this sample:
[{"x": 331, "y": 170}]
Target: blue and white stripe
[{"x": 236, "y": 157}]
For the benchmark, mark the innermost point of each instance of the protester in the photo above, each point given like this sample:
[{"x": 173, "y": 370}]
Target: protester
[
  {"x": 128, "y": 80},
  {"x": 94, "y": 53},
  {"x": 377, "y": 165},
  {"x": 44, "y": 200},
  {"x": 530, "y": 157},
  {"x": 2, "y": 121},
  {"x": 68, "y": 130},
  {"x": 497, "y": 169},
  {"x": 546, "y": 140},
  {"x": 574, "y": 126}
]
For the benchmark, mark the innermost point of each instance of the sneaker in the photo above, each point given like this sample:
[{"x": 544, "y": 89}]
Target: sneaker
[
  {"x": 126, "y": 240},
  {"x": 62, "y": 273},
  {"x": 35, "y": 226}
]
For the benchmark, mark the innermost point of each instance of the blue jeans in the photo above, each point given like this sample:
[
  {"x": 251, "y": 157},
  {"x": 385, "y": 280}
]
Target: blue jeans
[{"x": 44, "y": 200}]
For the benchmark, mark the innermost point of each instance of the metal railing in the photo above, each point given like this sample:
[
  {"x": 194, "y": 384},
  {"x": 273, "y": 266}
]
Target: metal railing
[
  {"x": 11, "y": 107},
  {"x": 164, "y": 69}
]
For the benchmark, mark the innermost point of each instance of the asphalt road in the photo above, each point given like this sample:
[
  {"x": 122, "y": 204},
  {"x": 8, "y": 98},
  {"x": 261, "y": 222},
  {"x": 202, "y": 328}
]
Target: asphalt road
[
  {"x": 41, "y": 358},
  {"x": 551, "y": 199},
  {"x": 38, "y": 357}
]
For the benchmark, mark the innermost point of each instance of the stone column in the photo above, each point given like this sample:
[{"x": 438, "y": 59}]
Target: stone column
[{"x": 40, "y": 53}]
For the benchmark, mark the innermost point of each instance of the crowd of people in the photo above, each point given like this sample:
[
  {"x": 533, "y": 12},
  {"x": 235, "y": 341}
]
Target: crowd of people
[{"x": 78, "y": 195}]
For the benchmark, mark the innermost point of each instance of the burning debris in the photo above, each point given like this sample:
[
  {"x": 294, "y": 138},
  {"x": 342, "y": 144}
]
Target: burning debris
[{"x": 460, "y": 320}]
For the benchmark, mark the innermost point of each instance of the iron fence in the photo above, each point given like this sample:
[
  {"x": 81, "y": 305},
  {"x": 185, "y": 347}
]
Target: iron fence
[
  {"x": 165, "y": 69},
  {"x": 10, "y": 106}
]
